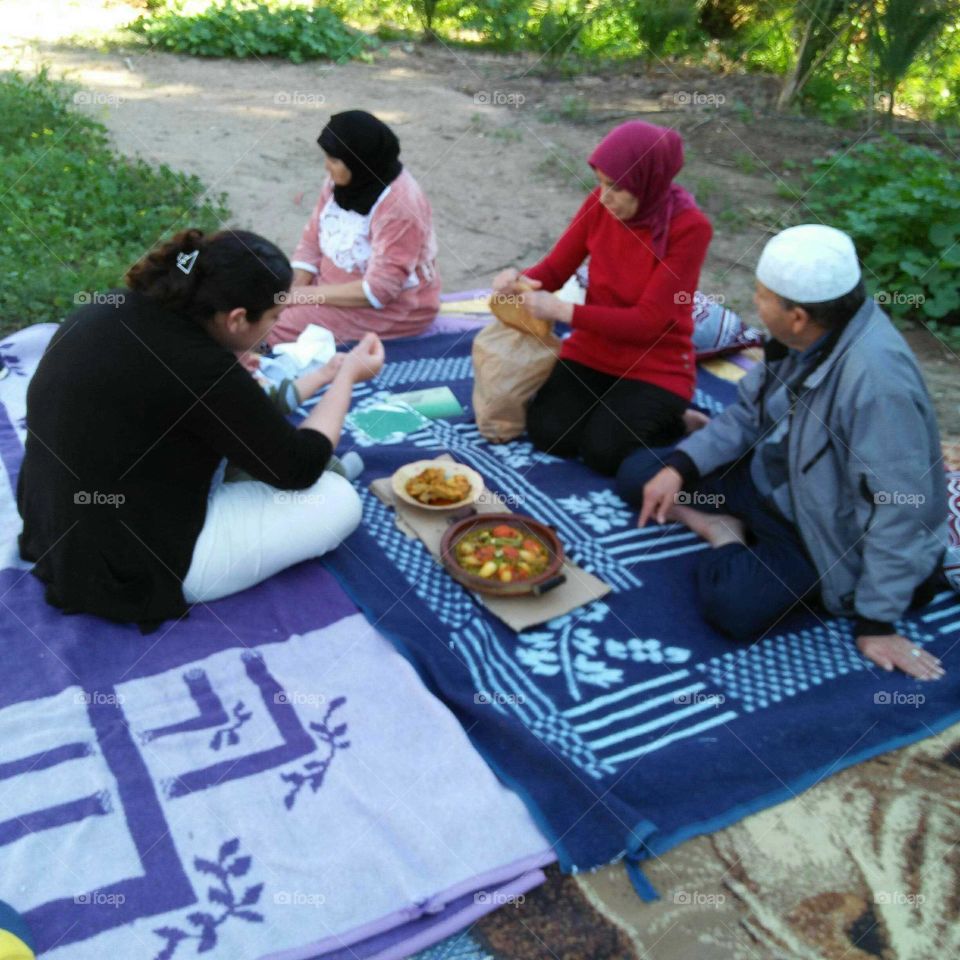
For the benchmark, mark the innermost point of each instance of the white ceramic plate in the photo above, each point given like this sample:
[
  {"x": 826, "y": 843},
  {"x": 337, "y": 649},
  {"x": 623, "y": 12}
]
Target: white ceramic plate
[{"x": 406, "y": 473}]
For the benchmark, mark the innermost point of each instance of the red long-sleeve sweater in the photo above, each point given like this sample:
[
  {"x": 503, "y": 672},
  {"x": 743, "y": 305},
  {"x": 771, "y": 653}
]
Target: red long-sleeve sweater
[{"x": 637, "y": 322}]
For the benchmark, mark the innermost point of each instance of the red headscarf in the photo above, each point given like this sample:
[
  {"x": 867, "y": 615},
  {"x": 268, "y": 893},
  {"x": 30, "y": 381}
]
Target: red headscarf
[{"x": 644, "y": 159}]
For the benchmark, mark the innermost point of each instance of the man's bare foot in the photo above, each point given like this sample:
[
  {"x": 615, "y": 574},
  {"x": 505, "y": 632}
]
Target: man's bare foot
[
  {"x": 694, "y": 420},
  {"x": 718, "y": 529}
]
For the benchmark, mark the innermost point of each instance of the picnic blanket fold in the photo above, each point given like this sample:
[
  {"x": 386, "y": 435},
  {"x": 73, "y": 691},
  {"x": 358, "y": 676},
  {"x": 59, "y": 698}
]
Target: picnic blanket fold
[
  {"x": 629, "y": 724},
  {"x": 267, "y": 778}
]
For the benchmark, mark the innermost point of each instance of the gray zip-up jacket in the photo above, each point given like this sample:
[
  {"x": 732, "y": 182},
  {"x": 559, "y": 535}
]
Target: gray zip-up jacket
[{"x": 866, "y": 470}]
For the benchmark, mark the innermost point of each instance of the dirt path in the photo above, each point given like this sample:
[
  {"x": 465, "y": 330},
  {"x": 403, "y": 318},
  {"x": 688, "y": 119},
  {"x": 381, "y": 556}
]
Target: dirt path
[{"x": 499, "y": 148}]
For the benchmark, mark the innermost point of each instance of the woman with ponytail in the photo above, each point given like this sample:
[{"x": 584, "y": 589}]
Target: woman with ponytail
[{"x": 136, "y": 405}]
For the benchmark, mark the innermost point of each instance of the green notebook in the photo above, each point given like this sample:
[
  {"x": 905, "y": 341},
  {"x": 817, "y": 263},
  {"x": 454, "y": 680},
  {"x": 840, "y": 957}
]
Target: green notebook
[
  {"x": 434, "y": 402},
  {"x": 387, "y": 421}
]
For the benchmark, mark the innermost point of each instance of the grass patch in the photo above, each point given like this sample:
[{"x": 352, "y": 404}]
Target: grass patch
[
  {"x": 565, "y": 168},
  {"x": 76, "y": 214},
  {"x": 253, "y": 29}
]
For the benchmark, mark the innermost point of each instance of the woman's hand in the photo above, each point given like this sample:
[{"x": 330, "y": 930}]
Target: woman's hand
[
  {"x": 329, "y": 370},
  {"x": 545, "y": 306},
  {"x": 364, "y": 361},
  {"x": 892, "y": 651},
  {"x": 512, "y": 280}
]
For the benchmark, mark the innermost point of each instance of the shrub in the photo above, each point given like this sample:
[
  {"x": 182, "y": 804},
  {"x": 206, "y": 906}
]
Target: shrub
[
  {"x": 253, "y": 29},
  {"x": 901, "y": 205},
  {"x": 77, "y": 215}
]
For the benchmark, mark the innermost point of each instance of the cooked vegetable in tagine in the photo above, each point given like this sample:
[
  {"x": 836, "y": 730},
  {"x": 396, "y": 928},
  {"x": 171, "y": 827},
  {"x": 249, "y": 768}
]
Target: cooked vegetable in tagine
[{"x": 502, "y": 553}]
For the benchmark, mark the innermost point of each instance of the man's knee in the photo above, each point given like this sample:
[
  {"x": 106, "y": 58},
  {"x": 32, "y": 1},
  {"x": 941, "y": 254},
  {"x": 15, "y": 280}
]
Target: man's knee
[
  {"x": 727, "y": 599},
  {"x": 636, "y": 470}
]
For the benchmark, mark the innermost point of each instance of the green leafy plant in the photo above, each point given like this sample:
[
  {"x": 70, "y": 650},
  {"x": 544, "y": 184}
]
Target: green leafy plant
[
  {"x": 657, "y": 20},
  {"x": 77, "y": 215},
  {"x": 898, "y": 31},
  {"x": 254, "y": 29},
  {"x": 901, "y": 205}
]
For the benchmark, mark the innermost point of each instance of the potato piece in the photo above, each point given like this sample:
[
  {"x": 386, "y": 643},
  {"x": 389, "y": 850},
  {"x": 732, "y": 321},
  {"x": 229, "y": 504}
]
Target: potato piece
[{"x": 488, "y": 569}]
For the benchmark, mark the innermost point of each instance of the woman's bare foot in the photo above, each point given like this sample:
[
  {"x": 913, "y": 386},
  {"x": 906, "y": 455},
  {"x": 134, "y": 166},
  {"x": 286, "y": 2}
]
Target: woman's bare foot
[
  {"x": 694, "y": 420},
  {"x": 718, "y": 529}
]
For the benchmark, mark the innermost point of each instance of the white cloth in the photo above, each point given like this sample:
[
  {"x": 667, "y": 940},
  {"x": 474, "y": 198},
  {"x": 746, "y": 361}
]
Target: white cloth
[
  {"x": 315, "y": 345},
  {"x": 253, "y": 531},
  {"x": 344, "y": 235},
  {"x": 810, "y": 263}
]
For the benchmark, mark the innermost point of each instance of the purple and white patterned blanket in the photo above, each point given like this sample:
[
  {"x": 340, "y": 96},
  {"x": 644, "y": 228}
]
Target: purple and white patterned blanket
[{"x": 267, "y": 778}]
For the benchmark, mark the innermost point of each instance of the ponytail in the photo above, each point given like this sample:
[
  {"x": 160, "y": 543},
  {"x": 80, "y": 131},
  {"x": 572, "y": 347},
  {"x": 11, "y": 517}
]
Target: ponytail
[{"x": 198, "y": 275}]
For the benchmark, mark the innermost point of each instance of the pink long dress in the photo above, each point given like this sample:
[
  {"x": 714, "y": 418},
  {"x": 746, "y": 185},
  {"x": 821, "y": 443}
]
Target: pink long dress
[{"x": 392, "y": 249}]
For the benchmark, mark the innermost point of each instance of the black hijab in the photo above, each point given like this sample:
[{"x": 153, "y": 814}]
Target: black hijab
[{"x": 370, "y": 149}]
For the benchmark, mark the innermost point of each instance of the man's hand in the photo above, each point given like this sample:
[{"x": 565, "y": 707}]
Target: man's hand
[
  {"x": 893, "y": 651},
  {"x": 545, "y": 306},
  {"x": 364, "y": 361},
  {"x": 659, "y": 495}
]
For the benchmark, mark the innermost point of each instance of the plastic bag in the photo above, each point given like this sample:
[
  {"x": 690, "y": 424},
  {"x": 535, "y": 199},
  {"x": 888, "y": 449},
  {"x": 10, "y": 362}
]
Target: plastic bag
[{"x": 509, "y": 368}]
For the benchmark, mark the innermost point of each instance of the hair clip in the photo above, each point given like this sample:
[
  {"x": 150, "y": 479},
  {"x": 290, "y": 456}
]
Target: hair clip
[{"x": 185, "y": 261}]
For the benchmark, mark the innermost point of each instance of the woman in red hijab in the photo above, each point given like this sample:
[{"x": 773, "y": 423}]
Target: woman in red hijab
[{"x": 626, "y": 371}]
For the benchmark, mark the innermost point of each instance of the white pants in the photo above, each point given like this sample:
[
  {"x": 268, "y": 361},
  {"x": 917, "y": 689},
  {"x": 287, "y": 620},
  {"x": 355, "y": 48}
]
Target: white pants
[{"x": 253, "y": 531}]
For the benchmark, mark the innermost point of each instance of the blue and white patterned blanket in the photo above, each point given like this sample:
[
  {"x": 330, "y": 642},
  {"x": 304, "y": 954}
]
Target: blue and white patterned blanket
[
  {"x": 627, "y": 725},
  {"x": 267, "y": 778}
]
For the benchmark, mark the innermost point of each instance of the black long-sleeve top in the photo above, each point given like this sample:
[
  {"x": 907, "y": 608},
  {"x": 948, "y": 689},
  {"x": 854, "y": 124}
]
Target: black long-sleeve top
[{"x": 128, "y": 416}]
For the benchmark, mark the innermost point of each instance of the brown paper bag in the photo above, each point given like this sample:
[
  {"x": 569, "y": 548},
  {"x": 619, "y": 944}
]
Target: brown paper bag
[
  {"x": 506, "y": 308},
  {"x": 509, "y": 367}
]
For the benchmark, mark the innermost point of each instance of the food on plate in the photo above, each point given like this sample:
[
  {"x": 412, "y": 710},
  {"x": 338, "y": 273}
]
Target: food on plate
[
  {"x": 503, "y": 553},
  {"x": 434, "y": 488}
]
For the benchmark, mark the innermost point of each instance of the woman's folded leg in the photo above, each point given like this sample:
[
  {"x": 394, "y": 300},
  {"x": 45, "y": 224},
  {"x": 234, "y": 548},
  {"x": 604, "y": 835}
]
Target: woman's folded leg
[
  {"x": 630, "y": 415},
  {"x": 253, "y": 530},
  {"x": 558, "y": 413}
]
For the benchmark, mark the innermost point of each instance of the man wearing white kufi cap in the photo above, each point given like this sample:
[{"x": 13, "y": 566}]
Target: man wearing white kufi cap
[{"x": 822, "y": 487}]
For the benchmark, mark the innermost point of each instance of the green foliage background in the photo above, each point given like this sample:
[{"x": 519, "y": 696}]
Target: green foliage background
[{"x": 76, "y": 215}]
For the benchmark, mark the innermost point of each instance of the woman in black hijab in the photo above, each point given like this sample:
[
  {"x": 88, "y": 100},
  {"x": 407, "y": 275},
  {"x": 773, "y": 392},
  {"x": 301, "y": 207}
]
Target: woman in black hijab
[{"x": 367, "y": 257}]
